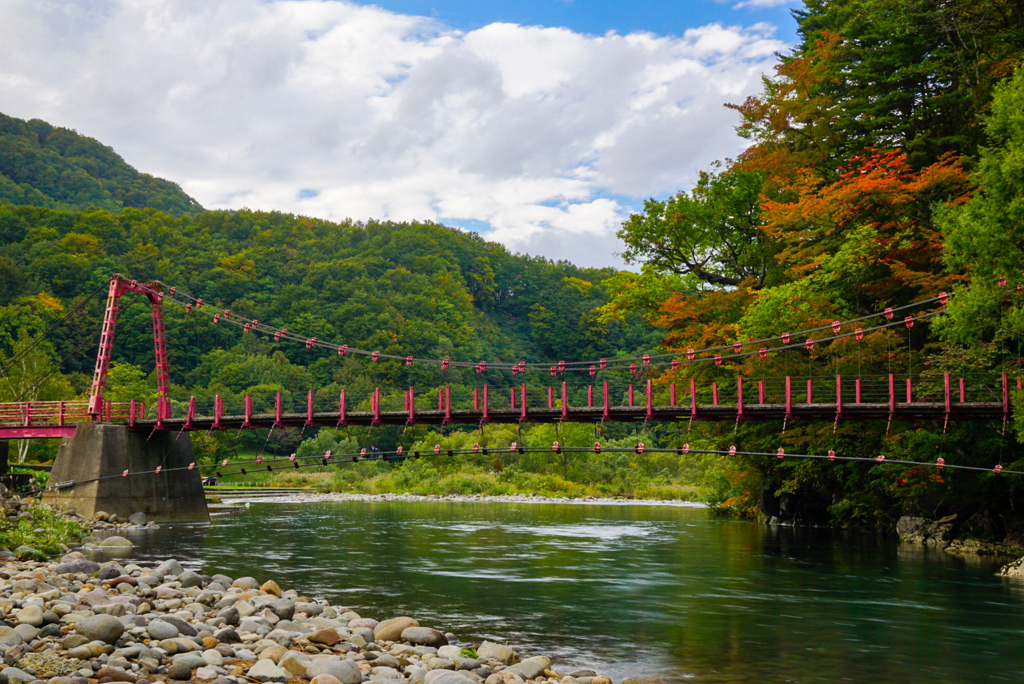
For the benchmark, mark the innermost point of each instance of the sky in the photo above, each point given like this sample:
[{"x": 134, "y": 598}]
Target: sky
[{"x": 540, "y": 124}]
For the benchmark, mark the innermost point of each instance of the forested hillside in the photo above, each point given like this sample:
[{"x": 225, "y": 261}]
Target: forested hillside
[
  {"x": 45, "y": 166},
  {"x": 405, "y": 289}
]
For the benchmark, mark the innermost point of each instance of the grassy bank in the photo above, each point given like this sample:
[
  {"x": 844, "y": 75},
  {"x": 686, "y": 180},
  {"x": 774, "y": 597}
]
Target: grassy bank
[
  {"x": 425, "y": 477},
  {"x": 36, "y": 531}
]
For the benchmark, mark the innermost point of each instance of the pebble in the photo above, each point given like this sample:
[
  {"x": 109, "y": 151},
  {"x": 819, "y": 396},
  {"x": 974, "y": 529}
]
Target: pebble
[
  {"x": 179, "y": 671},
  {"x": 122, "y": 622}
]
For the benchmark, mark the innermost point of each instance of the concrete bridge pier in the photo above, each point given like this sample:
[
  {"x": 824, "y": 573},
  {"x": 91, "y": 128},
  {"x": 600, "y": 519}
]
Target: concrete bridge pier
[{"x": 98, "y": 453}]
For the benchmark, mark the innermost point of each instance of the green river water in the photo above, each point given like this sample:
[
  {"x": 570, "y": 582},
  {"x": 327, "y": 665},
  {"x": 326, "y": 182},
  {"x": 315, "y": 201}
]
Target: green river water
[{"x": 634, "y": 590}]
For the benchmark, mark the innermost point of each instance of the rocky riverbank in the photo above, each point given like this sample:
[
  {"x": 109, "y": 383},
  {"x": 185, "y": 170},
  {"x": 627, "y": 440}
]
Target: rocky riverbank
[{"x": 77, "y": 621}]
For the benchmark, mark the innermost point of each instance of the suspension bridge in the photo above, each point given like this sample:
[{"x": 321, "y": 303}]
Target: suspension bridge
[{"x": 101, "y": 436}]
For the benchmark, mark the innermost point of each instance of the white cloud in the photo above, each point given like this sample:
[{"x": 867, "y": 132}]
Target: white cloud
[
  {"x": 761, "y": 4},
  {"x": 529, "y": 130}
]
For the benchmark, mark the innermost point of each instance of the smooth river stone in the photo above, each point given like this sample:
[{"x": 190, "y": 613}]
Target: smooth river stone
[
  {"x": 160, "y": 630},
  {"x": 86, "y": 567},
  {"x": 327, "y": 636},
  {"x": 267, "y": 671},
  {"x": 116, "y": 542},
  {"x": 391, "y": 630},
  {"x": 447, "y": 677},
  {"x": 345, "y": 670},
  {"x": 105, "y": 628},
  {"x": 501, "y": 653},
  {"x": 424, "y": 636},
  {"x": 30, "y": 615},
  {"x": 530, "y": 668}
]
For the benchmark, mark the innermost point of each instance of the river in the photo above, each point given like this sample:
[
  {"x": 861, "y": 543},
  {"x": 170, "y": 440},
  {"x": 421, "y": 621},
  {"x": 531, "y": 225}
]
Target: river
[{"x": 674, "y": 592}]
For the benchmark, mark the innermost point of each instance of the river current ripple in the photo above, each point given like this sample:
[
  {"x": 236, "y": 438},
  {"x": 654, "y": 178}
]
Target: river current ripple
[{"x": 633, "y": 590}]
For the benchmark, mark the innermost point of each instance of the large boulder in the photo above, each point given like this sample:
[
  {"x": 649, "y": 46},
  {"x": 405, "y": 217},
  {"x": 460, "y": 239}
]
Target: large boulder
[
  {"x": 1014, "y": 569},
  {"x": 913, "y": 530}
]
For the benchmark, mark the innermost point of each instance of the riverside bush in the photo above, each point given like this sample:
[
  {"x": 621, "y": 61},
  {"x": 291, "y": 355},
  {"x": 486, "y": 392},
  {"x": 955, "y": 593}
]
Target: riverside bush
[{"x": 40, "y": 527}]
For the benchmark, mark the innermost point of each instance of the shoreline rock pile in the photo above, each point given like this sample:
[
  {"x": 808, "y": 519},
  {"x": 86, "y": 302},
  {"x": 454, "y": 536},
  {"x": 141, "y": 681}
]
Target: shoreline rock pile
[{"x": 77, "y": 621}]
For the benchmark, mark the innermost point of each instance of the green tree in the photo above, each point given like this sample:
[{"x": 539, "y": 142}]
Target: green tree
[{"x": 713, "y": 232}]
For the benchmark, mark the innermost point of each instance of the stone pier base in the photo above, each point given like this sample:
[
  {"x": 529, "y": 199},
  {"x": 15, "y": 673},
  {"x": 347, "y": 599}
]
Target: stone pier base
[{"x": 98, "y": 453}]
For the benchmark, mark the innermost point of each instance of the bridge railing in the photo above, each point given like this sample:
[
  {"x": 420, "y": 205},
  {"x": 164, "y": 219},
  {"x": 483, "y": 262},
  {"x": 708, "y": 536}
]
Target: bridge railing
[
  {"x": 28, "y": 413},
  {"x": 840, "y": 391},
  {"x": 724, "y": 391}
]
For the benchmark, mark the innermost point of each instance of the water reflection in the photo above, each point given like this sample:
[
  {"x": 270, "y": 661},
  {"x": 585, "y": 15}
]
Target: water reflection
[{"x": 634, "y": 590}]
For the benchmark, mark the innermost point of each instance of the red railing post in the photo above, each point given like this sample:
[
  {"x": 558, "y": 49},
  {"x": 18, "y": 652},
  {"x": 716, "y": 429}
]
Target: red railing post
[
  {"x": 963, "y": 394},
  {"x": 714, "y": 393},
  {"x": 809, "y": 391},
  {"x": 476, "y": 399},
  {"x": 856, "y": 391},
  {"x": 247, "y": 421},
  {"x": 739, "y": 395},
  {"x": 789, "y": 397},
  {"x": 630, "y": 395},
  {"x": 650, "y": 401},
  {"x": 278, "y": 410},
  {"x": 218, "y": 411},
  {"x": 486, "y": 417},
  {"x": 131, "y": 413},
  {"x": 909, "y": 399},
  {"x": 693, "y": 397},
  {"x": 191, "y": 413},
  {"x": 375, "y": 403},
  {"x": 590, "y": 396},
  {"x": 760, "y": 391},
  {"x": 551, "y": 397},
  {"x": 60, "y": 414},
  {"x": 309, "y": 408},
  {"x": 606, "y": 413},
  {"x": 892, "y": 394},
  {"x": 342, "y": 413},
  {"x": 512, "y": 394},
  {"x": 447, "y": 404},
  {"x": 522, "y": 404},
  {"x": 839, "y": 395},
  {"x": 946, "y": 394},
  {"x": 410, "y": 406},
  {"x": 672, "y": 394}
]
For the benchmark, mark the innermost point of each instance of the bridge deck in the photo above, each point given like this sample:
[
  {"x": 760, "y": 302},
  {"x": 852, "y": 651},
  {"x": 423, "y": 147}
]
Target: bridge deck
[{"x": 596, "y": 414}]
